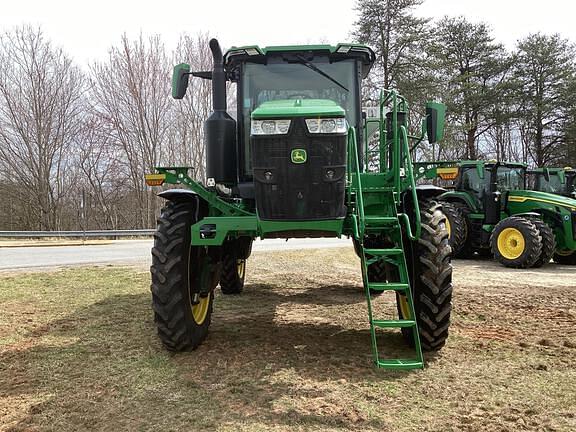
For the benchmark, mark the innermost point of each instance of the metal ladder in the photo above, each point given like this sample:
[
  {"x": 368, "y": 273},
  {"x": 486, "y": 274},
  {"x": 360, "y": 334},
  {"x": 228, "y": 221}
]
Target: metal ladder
[
  {"x": 389, "y": 226},
  {"x": 384, "y": 222}
]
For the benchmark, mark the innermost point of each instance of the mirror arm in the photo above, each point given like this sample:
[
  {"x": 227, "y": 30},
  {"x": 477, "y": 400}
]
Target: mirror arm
[
  {"x": 203, "y": 74},
  {"x": 420, "y": 138}
]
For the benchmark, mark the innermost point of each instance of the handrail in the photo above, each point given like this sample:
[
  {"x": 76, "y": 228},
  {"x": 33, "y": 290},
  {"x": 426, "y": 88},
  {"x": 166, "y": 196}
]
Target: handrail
[
  {"x": 410, "y": 176},
  {"x": 353, "y": 150}
]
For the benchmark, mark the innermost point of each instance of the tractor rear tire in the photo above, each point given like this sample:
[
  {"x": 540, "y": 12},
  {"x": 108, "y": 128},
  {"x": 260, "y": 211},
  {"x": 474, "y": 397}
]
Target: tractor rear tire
[
  {"x": 516, "y": 242},
  {"x": 456, "y": 225},
  {"x": 565, "y": 257},
  {"x": 181, "y": 276},
  {"x": 430, "y": 273},
  {"x": 466, "y": 250},
  {"x": 233, "y": 274},
  {"x": 548, "y": 242}
]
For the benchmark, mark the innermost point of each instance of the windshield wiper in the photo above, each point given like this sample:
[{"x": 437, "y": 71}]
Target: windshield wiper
[{"x": 306, "y": 63}]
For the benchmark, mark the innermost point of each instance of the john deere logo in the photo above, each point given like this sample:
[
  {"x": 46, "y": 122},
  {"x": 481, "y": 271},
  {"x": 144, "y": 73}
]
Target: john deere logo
[{"x": 298, "y": 156}]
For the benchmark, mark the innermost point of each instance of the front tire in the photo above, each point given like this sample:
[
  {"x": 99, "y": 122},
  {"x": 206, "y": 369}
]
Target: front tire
[
  {"x": 565, "y": 257},
  {"x": 430, "y": 273},
  {"x": 183, "y": 279},
  {"x": 233, "y": 274},
  {"x": 516, "y": 242}
]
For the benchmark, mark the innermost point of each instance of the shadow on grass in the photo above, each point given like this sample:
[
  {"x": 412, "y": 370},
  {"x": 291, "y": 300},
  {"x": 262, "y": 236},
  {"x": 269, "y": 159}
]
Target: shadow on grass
[{"x": 102, "y": 367}]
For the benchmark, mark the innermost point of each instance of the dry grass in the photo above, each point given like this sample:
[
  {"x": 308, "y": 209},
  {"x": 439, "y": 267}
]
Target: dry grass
[{"x": 78, "y": 351}]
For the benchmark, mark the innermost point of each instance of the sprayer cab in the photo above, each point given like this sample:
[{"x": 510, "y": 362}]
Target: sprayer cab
[{"x": 278, "y": 89}]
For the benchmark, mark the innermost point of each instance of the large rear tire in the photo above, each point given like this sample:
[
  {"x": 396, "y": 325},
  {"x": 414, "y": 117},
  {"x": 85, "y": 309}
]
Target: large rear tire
[
  {"x": 183, "y": 279},
  {"x": 516, "y": 242},
  {"x": 548, "y": 242},
  {"x": 430, "y": 271}
]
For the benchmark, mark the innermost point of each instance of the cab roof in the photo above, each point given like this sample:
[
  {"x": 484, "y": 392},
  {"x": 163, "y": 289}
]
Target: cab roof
[
  {"x": 254, "y": 53},
  {"x": 491, "y": 162}
]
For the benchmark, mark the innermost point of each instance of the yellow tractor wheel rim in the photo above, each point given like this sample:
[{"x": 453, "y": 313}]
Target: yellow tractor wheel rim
[
  {"x": 448, "y": 227},
  {"x": 511, "y": 243},
  {"x": 200, "y": 310},
  {"x": 241, "y": 268},
  {"x": 404, "y": 307}
]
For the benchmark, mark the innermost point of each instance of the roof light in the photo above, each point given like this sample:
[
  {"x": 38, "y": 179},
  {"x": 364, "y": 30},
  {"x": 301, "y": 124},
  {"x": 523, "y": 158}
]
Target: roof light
[
  {"x": 251, "y": 51},
  {"x": 343, "y": 49}
]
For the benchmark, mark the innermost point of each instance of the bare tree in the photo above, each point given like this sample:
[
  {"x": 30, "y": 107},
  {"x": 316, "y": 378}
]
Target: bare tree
[
  {"x": 41, "y": 104},
  {"x": 131, "y": 95},
  {"x": 102, "y": 176}
]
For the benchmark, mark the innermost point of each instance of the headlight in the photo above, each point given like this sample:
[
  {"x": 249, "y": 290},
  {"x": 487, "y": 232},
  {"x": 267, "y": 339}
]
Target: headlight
[
  {"x": 326, "y": 125},
  {"x": 270, "y": 127}
]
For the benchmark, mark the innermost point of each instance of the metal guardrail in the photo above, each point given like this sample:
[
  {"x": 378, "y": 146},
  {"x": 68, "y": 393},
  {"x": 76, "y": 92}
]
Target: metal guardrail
[{"x": 81, "y": 234}]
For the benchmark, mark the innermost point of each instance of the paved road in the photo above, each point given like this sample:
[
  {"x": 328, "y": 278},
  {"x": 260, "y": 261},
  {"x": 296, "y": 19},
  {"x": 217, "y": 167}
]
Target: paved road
[{"x": 125, "y": 252}]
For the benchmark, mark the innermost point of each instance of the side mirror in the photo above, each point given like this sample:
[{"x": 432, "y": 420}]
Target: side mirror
[
  {"x": 435, "y": 113},
  {"x": 180, "y": 78}
]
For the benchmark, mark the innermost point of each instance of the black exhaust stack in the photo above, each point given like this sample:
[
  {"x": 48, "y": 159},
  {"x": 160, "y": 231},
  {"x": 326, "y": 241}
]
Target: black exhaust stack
[{"x": 220, "y": 128}]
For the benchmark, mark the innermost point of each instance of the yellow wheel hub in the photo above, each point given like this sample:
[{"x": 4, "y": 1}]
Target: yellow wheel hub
[
  {"x": 200, "y": 310},
  {"x": 241, "y": 268},
  {"x": 448, "y": 227},
  {"x": 511, "y": 243},
  {"x": 404, "y": 307}
]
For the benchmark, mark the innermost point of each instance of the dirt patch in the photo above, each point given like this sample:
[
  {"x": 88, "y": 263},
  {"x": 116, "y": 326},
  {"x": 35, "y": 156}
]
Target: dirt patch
[{"x": 78, "y": 351}]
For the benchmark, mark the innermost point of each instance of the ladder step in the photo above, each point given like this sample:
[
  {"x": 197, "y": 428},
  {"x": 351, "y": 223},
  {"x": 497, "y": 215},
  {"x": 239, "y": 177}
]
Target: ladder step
[
  {"x": 380, "y": 220},
  {"x": 377, "y": 188},
  {"x": 383, "y": 252},
  {"x": 384, "y": 286},
  {"x": 401, "y": 364},
  {"x": 393, "y": 323}
]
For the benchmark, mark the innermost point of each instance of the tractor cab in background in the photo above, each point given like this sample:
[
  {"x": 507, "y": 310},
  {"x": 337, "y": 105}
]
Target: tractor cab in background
[
  {"x": 561, "y": 181},
  {"x": 488, "y": 183}
]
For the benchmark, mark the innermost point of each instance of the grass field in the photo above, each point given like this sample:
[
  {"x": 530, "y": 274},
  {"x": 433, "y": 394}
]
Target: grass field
[{"x": 78, "y": 351}]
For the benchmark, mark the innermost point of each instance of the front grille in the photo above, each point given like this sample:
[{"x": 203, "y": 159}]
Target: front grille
[{"x": 290, "y": 191}]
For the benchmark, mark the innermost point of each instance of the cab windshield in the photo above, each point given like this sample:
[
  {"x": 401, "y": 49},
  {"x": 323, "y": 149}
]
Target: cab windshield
[
  {"x": 508, "y": 178},
  {"x": 552, "y": 185},
  {"x": 281, "y": 80}
]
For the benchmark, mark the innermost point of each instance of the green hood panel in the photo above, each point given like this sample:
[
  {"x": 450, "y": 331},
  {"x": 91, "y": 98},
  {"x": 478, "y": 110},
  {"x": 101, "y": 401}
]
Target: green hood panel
[
  {"x": 298, "y": 108},
  {"x": 525, "y": 196}
]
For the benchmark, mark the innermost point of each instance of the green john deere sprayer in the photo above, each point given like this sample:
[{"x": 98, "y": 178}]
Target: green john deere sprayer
[
  {"x": 489, "y": 211},
  {"x": 561, "y": 181},
  {"x": 292, "y": 165}
]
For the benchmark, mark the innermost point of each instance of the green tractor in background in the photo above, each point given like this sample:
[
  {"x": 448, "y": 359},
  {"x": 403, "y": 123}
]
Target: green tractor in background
[
  {"x": 292, "y": 164},
  {"x": 490, "y": 211},
  {"x": 561, "y": 181}
]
